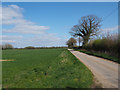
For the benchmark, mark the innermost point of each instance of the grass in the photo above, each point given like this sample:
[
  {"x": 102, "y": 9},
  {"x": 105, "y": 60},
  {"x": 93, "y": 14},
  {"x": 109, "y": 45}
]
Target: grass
[
  {"x": 100, "y": 54},
  {"x": 44, "y": 68}
]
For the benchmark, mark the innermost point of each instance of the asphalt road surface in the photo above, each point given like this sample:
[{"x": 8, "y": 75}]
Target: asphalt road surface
[{"x": 105, "y": 71}]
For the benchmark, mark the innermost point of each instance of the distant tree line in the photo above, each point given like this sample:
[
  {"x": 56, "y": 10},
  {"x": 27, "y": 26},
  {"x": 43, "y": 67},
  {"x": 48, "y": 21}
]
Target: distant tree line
[
  {"x": 31, "y": 47},
  {"x": 9, "y": 46}
]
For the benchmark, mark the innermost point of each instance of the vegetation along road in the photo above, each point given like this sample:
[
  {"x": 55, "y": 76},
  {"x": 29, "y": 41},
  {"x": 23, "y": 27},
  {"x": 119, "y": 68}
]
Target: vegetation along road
[{"x": 106, "y": 72}]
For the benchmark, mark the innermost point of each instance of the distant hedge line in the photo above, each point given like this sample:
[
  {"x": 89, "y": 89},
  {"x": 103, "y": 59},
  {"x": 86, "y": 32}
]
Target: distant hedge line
[
  {"x": 8, "y": 46},
  {"x": 31, "y": 47}
]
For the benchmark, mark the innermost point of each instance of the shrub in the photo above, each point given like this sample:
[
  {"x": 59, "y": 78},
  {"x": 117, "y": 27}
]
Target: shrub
[
  {"x": 30, "y": 47},
  {"x": 109, "y": 45}
]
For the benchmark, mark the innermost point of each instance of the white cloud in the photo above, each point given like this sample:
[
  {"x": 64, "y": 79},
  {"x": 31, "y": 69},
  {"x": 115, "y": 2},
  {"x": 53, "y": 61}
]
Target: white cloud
[
  {"x": 27, "y": 29},
  {"x": 9, "y": 39},
  {"x": 44, "y": 40},
  {"x": 110, "y": 29},
  {"x": 48, "y": 40},
  {"x": 14, "y": 6},
  {"x": 12, "y": 15}
]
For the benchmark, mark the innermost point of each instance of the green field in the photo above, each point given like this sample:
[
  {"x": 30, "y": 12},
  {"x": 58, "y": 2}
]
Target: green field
[{"x": 44, "y": 68}]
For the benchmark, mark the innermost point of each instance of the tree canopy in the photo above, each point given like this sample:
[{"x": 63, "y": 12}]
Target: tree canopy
[
  {"x": 71, "y": 42},
  {"x": 88, "y": 26}
]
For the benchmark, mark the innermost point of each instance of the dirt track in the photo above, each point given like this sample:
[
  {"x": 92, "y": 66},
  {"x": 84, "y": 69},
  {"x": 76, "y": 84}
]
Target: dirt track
[
  {"x": 105, "y": 71},
  {"x": 6, "y": 60}
]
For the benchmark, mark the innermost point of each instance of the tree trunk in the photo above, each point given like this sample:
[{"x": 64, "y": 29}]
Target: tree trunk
[
  {"x": 79, "y": 41},
  {"x": 85, "y": 41}
]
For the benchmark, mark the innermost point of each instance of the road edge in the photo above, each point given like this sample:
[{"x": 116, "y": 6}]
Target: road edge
[{"x": 96, "y": 83}]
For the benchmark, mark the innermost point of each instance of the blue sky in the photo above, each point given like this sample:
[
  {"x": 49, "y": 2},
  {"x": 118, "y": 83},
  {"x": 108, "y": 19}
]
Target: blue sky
[{"x": 53, "y": 21}]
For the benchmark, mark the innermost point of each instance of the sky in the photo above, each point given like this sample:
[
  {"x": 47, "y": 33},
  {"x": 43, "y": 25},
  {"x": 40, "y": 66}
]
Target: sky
[{"x": 49, "y": 23}]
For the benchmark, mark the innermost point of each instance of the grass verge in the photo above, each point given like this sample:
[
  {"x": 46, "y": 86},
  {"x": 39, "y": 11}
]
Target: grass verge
[{"x": 102, "y": 55}]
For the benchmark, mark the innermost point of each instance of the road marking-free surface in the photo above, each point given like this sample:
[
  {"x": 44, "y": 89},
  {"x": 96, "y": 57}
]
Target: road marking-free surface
[{"x": 105, "y": 71}]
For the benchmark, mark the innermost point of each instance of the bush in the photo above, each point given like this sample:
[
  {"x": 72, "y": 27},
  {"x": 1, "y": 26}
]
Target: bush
[
  {"x": 109, "y": 45},
  {"x": 7, "y": 46},
  {"x": 30, "y": 47},
  {"x": 89, "y": 45},
  {"x": 100, "y": 44}
]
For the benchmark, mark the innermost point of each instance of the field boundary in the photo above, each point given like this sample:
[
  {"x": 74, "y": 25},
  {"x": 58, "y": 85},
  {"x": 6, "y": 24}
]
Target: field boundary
[{"x": 105, "y": 56}]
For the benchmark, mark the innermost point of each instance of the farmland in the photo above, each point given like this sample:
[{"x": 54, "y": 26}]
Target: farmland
[{"x": 44, "y": 68}]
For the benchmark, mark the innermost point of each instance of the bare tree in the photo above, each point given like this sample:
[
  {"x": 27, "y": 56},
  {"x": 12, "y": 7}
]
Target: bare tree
[
  {"x": 71, "y": 42},
  {"x": 88, "y": 26},
  {"x": 7, "y": 46}
]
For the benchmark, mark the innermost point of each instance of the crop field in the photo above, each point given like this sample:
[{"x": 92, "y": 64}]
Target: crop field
[{"x": 44, "y": 68}]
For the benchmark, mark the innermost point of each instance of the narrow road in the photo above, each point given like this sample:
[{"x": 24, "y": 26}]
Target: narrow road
[{"x": 105, "y": 71}]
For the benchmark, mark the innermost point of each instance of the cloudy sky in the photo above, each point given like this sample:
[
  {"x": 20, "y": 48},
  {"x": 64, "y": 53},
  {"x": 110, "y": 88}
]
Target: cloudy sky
[{"x": 48, "y": 24}]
